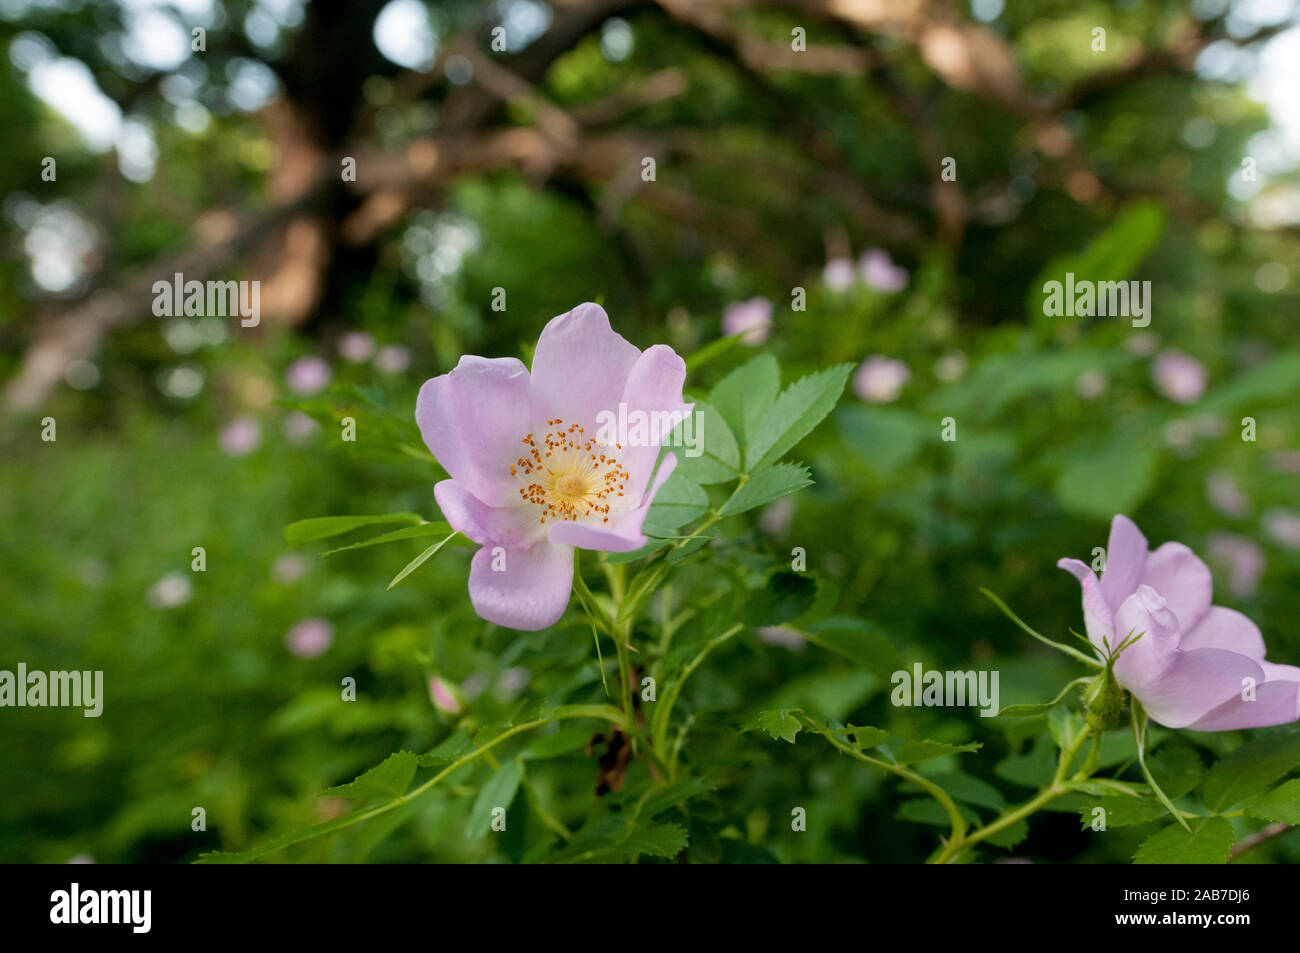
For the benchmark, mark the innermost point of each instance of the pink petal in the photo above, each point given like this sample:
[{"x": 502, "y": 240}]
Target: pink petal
[
  {"x": 1276, "y": 703},
  {"x": 1098, "y": 621},
  {"x": 473, "y": 420},
  {"x": 1126, "y": 554},
  {"x": 1145, "y": 661},
  {"x": 1197, "y": 684},
  {"x": 622, "y": 533},
  {"x": 580, "y": 367},
  {"x": 1222, "y": 628},
  {"x": 653, "y": 385},
  {"x": 1183, "y": 580},
  {"x": 515, "y": 527},
  {"x": 531, "y": 592}
]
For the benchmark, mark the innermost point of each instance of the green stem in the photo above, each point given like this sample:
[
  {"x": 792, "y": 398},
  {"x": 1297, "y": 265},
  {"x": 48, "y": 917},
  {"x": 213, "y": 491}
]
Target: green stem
[
  {"x": 1067, "y": 649},
  {"x": 714, "y": 514},
  {"x": 939, "y": 794},
  {"x": 659, "y": 724},
  {"x": 1058, "y": 787}
]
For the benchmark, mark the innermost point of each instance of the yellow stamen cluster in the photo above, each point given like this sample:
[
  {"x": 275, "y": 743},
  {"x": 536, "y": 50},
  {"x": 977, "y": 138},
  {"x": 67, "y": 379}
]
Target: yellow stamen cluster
[{"x": 568, "y": 474}]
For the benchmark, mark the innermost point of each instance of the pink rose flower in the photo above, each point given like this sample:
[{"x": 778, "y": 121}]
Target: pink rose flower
[
  {"x": 392, "y": 359},
  {"x": 1179, "y": 377},
  {"x": 1283, "y": 526},
  {"x": 444, "y": 697},
  {"x": 753, "y": 317},
  {"x": 356, "y": 346},
  {"x": 309, "y": 638},
  {"x": 838, "y": 274},
  {"x": 1242, "y": 558},
  {"x": 241, "y": 436},
  {"x": 1194, "y": 663},
  {"x": 532, "y": 473},
  {"x": 879, "y": 271},
  {"x": 879, "y": 379},
  {"x": 307, "y": 376}
]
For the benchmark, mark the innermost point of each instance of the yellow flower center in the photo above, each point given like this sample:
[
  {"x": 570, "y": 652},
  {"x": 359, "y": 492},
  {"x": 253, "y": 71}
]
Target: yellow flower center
[{"x": 568, "y": 474}]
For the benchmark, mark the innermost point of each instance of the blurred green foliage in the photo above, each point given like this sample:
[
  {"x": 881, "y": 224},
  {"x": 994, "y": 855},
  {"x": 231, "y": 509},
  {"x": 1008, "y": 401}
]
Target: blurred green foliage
[{"x": 1058, "y": 421}]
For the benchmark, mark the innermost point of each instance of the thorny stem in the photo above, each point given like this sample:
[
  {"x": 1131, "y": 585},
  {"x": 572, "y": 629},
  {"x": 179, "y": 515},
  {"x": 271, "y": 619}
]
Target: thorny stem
[{"x": 1058, "y": 787}]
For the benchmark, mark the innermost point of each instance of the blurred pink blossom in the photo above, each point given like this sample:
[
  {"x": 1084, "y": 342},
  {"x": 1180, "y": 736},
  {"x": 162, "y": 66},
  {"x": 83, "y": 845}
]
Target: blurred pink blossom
[
  {"x": 838, "y": 275},
  {"x": 1242, "y": 558},
  {"x": 1284, "y": 527},
  {"x": 951, "y": 367},
  {"x": 879, "y": 271},
  {"x": 1091, "y": 384},
  {"x": 392, "y": 359},
  {"x": 752, "y": 317},
  {"x": 1179, "y": 377},
  {"x": 444, "y": 697},
  {"x": 775, "y": 519},
  {"x": 307, "y": 376},
  {"x": 356, "y": 346},
  {"x": 241, "y": 436},
  {"x": 309, "y": 638},
  {"x": 1225, "y": 495},
  {"x": 879, "y": 379},
  {"x": 289, "y": 568},
  {"x": 299, "y": 428},
  {"x": 172, "y": 590},
  {"x": 1142, "y": 344}
]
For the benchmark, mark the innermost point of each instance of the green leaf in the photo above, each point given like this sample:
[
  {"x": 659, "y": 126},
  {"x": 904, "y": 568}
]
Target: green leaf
[
  {"x": 437, "y": 528},
  {"x": 658, "y": 840},
  {"x": 860, "y": 641},
  {"x": 928, "y": 811},
  {"x": 1280, "y": 804},
  {"x": 914, "y": 752},
  {"x": 866, "y": 737},
  {"x": 1102, "y": 477},
  {"x": 642, "y": 587},
  {"x": 675, "y": 795},
  {"x": 388, "y": 779},
  {"x": 1176, "y": 767},
  {"x": 448, "y": 750},
  {"x": 886, "y": 438},
  {"x": 799, "y": 409},
  {"x": 420, "y": 560},
  {"x": 1250, "y": 769},
  {"x": 768, "y": 485},
  {"x": 500, "y": 792},
  {"x": 1031, "y": 769},
  {"x": 321, "y": 527},
  {"x": 712, "y": 351},
  {"x": 745, "y": 395},
  {"x": 1273, "y": 380},
  {"x": 1112, "y": 255},
  {"x": 1009, "y": 837},
  {"x": 679, "y": 501},
  {"x": 1208, "y": 844},
  {"x": 785, "y": 595},
  {"x": 779, "y": 724},
  {"x": 561, "y": 742},
  {"x": 715, "y": 458},
  {"x": 1123, "y": 811},
  {"x": 972, "y": 790}
]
